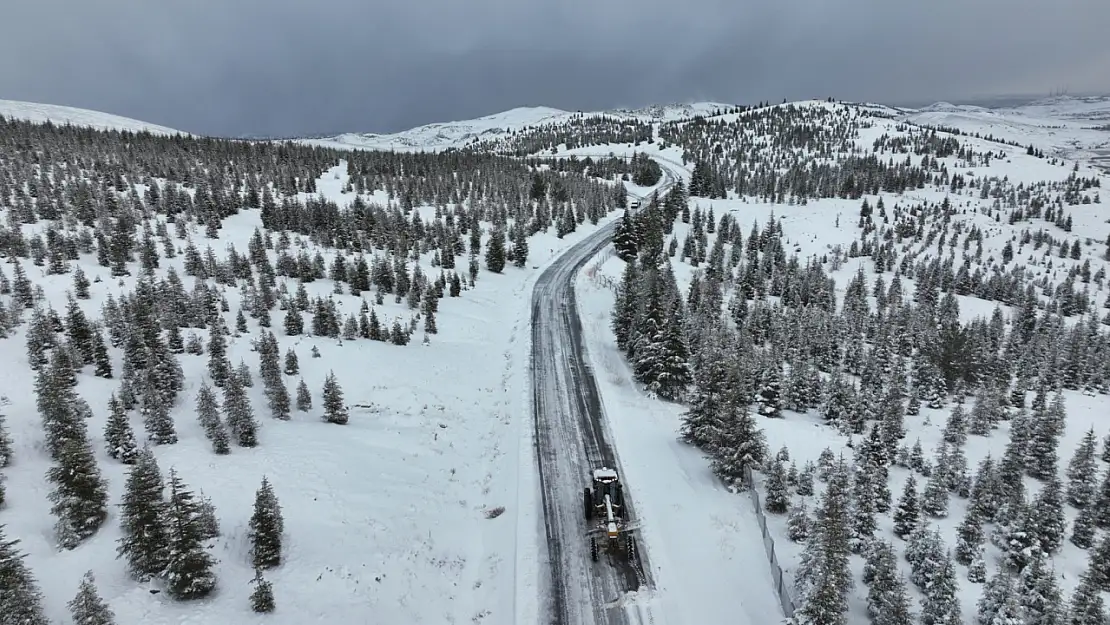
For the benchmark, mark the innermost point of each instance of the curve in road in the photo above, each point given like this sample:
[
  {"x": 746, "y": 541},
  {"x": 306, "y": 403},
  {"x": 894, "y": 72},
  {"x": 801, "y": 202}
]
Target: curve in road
[{"x": 570, "y": 443}]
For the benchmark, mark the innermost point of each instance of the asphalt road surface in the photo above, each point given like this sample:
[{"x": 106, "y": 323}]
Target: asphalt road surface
[{"x": 570, "y": 442}]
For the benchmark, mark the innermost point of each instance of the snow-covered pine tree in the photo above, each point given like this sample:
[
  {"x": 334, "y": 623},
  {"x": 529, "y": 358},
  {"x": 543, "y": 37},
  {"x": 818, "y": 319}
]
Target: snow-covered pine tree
[
  {"x": 142, "y": 519},
  {"x": 863, "y": 524},
  {"x": 292, "y": 365},
  {"x": 266, "y": 528},
  {"x": 304, "y": 397},
  {"x": 240, "y": 414},
  {"x": 934, "y": 499},
  {"x": 739, "y": 444},
  {"x": 119, "y": 439},
  {"x": 208, "y": 414},
  {"x": 1039, "y": 596},
  {"x": 21, "y": 599},
  {"x": 1087, "y": 607},
  {"x": 887, "y": 600},
  {"x": 80, "y": 495},
  {"x": 969, "y": 537},
  {"x": 495, "y": 251},
  {"x": 770, "y": 393},
  {"x": 218, "y": 366},
  {"x": 798, "y": 523},
  {"x": 57, "y": 406},
  {"x": 262, "y": 597},
  {"x": 907, "y": 512},
  {"x": 997, "y": 591},
  {"x": 777, "y": 498},
  {"x": 1083, "y": 528},
  {"x": 209, "y": 522},
  {"x": 87, "y": 608},
  {"x": 6, "y": 452},
  {"x": 1082, "y": 472},
  {"x": 335, "y": 411},
  {"x": 940, "y": 604},
  {"x": 188, "y": 573},
  {"x": 1048, "y": 511},
  {"x": 156, "y": 415}
]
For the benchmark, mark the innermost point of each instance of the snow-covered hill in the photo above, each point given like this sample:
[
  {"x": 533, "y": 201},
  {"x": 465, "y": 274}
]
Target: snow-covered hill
[
  {"x": 1075, "y": 128},
  {"x": 422, "y": 508},
  {"x": 42, "y": 113},
  {"x": 496, "y": 127}
]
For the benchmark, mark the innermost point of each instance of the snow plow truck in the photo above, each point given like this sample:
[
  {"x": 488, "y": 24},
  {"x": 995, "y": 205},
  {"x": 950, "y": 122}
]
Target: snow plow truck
[{"x": 611, "y": 529}]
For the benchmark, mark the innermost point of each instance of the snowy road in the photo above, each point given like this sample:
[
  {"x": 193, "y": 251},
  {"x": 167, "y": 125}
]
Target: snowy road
[{"x": 570, "y": 442}]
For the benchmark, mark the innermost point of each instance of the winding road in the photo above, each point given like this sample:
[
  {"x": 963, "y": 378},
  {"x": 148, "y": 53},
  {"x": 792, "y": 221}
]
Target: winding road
[{"x": 570, "y": 443}]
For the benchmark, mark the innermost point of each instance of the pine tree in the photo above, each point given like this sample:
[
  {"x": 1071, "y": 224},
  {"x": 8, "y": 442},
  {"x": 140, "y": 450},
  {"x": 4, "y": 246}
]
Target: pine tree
[
  {"x": 1048, "y": 510},
  {"x": 262, "y": 597},
  {"x": 304, "y": 397},
  {"x": 292, "y": 367},
  {"x": 941, "y": 603},
  {"x": 797, "y": 525},
  {"x": 495, "y": 251},
  {"x": 266, "y": 528},
  {"x": 520, "y": 245},
  {"x": 996, "y": 593},
  {"x": 208, "y": 414},
  {"x": 142, "y": 519},
  {"x": 1082, "y": 472},
  {"x": 334, "y": 409},
  {"x": 1039, "y": 595},
  {"x": 777, "y": 498},
  {"x": 80, "y": 495},
  {"x": 1087, "y": 607},
  {"x": 969, "y": 537},
  {"x": 934, "y": 499},
  {"x": 57, "y": 403},
  {"x": 6, "y": 453},
  {"x": 119, "y": 439},
  {"x": 21, "y": 599},
  {"x": 907, "y": 513},
  {"x": 863, "y": 510},
  {"x": 218, "y": 366},
  {"x": 102, "y": 361},
  {"x": 1083, "y": 529},
  {"x": 188, "y": 572},
  {"x": 240, "y": 414},
  {"x": 739, "y": 444},
  {"x": 87, "y": 608},
  {"x": 156, "y": 416}
]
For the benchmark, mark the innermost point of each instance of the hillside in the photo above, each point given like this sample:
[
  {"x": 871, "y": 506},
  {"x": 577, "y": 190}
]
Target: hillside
[
  {"x": 213, "y": 303},
  {"x": 837, "y": 298},
  {"x": 62, "y": 115},
  {"x": 891, "y": 303}
]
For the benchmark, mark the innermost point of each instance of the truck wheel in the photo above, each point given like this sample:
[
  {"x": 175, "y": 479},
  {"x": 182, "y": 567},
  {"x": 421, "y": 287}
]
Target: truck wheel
[
  {"x": 630, "y": 548},
  {"x": 588, "y": 503},
  {"x": 593, "y": 549},
  {"x": 619, "y": 499}
]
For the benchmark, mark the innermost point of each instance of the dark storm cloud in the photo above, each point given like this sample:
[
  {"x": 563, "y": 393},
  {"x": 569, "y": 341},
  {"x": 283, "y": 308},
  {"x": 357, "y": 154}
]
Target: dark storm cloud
[{"x": 295, "y": 67}]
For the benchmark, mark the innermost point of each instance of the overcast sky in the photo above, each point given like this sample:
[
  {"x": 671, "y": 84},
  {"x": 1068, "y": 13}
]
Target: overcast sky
[{"x": 234, "y": 67}]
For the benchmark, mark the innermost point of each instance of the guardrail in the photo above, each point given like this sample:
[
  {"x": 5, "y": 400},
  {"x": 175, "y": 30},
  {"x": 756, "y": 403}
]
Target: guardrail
[{"x": 781, "y": 586}]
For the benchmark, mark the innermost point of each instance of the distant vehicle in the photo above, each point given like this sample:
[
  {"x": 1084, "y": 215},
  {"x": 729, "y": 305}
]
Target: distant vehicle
[
  {"x": 604, "y": 507},
  {"x": 634, "y": 204}
]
